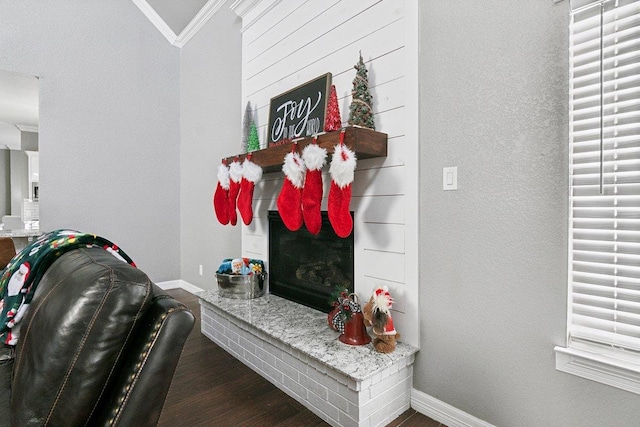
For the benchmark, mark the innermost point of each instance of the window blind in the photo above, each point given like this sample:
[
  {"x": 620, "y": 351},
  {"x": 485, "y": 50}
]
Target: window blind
[{"x": 604, "y": 243}]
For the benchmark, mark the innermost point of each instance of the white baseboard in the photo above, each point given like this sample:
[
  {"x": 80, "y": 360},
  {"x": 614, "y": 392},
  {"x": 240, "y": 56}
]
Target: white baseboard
[
  {"x": 179, "y": 284},
  {"x": 443, "y": 412}
]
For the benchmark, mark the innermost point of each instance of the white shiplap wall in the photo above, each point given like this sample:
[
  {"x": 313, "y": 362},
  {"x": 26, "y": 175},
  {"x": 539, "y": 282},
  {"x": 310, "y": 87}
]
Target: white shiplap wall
[{"x": 287, "y": 43}]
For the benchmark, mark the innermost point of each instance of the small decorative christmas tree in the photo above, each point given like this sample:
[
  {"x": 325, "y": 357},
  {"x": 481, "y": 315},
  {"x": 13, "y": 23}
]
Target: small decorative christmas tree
[
  {"x": 332, "y": 121},
  {"x": 246, "y": 128},
  {"x": 253, "y": 142},
  {"x": 360, "y": 112}
]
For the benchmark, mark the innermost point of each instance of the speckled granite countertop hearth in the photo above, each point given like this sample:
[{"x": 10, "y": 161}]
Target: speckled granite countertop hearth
[{"x": 306, "y": 330}]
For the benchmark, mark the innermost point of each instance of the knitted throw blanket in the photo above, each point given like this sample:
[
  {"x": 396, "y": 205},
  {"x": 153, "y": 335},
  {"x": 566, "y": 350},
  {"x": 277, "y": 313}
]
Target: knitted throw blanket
[{"x": 21, "y": 276}]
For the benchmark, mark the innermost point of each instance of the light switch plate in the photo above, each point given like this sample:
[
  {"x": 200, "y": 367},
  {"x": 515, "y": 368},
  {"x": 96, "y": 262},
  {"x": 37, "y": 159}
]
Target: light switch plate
[{"x": 450, "y": 178}]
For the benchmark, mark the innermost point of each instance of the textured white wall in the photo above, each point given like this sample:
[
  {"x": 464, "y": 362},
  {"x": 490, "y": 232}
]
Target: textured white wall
[
  {"x": 210, "y": 129},
  {"x": 109, "y": 122},
  {"x": 494, "y": 94}
]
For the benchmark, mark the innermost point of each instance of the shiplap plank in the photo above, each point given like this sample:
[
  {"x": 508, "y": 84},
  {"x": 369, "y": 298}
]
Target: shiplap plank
[
  {"x": 258, "y": 12},
  {"x": 401, "y": 320},
  {"x": 382, "y": 69},
  {"x": 260, "y": 224},
  {"x": 383, "y": 265},
  {"x": 321, "y": 34},
  {"x": 381, "y": 209},
  {"x": 381, "y": 182},
  {"x": 283, "y": 21},
  {"x": 381, "y": 237},
  {"x": 254, "y": 247},
  {"x": 268, "y": 185},
  {"x": 398, "y": 291},
  {"x": 392, "y": 122},
  {"x": 388, "y": 96},
  {"x": 312, "y": 61}
]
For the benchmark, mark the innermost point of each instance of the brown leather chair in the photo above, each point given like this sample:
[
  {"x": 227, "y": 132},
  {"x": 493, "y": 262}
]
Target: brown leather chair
[
  {"x": 7, "y": 251},
  {"x": 98, "y": 345}
]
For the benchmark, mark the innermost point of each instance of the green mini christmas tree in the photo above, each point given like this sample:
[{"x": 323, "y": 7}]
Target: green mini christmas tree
[
  {"x": 253, "y": 143},
  {"x": 360, "y": 112}
]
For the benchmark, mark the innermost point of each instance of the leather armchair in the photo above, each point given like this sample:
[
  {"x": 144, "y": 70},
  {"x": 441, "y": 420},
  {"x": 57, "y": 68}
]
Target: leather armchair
[{"x": 98, "y": 345}]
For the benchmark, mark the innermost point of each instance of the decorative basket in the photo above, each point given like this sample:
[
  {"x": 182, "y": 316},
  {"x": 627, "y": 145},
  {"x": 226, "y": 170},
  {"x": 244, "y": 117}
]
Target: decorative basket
[{"x": 241, "y": 286}]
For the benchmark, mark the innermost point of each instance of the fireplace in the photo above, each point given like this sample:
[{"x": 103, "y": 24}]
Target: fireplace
[{"x": 305, "y": 268}]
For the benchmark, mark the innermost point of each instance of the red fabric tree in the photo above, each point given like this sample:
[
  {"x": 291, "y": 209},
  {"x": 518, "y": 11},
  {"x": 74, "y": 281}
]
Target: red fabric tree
[{"x": 332, "y": 121}]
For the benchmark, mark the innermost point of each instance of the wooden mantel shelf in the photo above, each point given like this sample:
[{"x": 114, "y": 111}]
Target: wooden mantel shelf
[{"x": 366, "y": 143}]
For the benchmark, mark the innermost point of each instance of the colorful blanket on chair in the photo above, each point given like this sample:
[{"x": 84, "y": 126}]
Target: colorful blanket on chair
[{"x": 21, "y": 276}]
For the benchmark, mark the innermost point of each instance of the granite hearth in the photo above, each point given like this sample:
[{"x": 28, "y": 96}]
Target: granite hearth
[{"x": 293, "y": 347}]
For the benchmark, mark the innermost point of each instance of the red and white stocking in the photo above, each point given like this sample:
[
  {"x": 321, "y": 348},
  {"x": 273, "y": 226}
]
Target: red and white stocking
[
  {"x": 221, "y": 195},
  {"x": 251, "y": 173},
  {"x": 290, "y": 198},
  {"x": 235, "y": 177},
  {"x": 314, "y": 159},
  {"x": 343, "y": 165}
]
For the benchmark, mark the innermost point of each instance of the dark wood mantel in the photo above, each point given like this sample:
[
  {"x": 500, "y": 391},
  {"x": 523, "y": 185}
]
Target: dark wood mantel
[{"x": 366, "y": 143}]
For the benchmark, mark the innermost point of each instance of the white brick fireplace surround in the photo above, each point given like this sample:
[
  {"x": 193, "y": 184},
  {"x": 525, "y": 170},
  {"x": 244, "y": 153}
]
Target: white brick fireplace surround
[{"x": 293, "y": 347}]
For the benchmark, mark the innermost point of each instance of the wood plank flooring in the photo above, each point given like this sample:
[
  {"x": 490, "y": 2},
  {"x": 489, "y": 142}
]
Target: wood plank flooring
[{"x": 212, "y": 388}]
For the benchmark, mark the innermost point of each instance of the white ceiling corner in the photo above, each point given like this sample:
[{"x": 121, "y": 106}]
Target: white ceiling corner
[
  {"x": 201, "y": 18},
  {"x": 198, "y": 21},
  {"x": 156, "y": 20}
]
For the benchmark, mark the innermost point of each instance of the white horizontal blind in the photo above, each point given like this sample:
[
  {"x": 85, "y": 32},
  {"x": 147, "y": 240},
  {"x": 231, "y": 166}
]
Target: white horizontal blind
[{"x": 604, "y": 296}]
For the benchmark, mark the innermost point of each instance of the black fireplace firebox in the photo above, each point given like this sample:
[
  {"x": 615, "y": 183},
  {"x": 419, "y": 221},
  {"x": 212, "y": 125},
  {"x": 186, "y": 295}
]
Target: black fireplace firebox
[{"x": 305, "y": 268}]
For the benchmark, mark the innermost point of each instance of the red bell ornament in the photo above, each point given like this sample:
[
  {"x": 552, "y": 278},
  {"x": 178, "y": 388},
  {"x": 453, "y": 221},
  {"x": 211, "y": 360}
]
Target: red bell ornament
[{"x": 355, "y": 333}]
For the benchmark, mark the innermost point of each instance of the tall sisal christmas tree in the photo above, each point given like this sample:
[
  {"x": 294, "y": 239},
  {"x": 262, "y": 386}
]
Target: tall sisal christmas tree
[
  {"x": 246, "y": 127},
  {"x": 332, "y": 121},
  {"x": 360, "y": 112}
]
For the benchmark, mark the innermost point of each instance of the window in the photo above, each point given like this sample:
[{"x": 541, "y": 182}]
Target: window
[{"x": 603, "y": 327}]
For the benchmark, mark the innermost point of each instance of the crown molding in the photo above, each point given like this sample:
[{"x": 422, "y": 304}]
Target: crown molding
[
  {"x": 242, "y": 7},
  {"x": 27, "y": 128},
  {"x": 201, "y": 18},
  {"x": 156, "y": 20},
  {"x": 249, "y": 11}
]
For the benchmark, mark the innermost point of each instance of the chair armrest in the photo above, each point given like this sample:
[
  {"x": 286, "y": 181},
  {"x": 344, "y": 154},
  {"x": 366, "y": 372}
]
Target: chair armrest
[{"x": 138, "y": 393}]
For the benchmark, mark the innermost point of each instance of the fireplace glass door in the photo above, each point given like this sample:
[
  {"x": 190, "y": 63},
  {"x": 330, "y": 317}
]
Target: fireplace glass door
[{"x": 305, "y": 268}]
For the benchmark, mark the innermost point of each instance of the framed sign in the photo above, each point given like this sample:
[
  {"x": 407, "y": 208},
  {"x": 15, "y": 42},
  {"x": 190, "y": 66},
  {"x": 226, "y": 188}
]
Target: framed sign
[{"x": 299, "y": 112}]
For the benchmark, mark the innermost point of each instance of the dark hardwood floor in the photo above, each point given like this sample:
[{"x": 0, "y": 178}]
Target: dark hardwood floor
[{"x": 212, "y": 388}]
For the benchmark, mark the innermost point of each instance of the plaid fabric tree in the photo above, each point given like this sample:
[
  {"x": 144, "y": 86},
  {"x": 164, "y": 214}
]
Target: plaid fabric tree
[{"x": 360, "y": 112}]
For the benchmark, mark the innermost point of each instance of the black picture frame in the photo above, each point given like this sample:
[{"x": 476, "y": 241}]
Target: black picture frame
[{"x": 299, "y": 112}]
